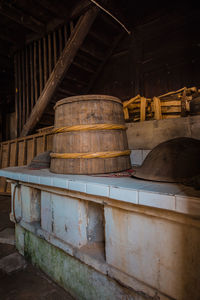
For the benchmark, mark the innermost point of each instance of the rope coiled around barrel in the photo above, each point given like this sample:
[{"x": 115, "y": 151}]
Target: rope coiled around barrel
[
  {"x": 89, "y": 127},
  {"x": 105, "y": 154}
]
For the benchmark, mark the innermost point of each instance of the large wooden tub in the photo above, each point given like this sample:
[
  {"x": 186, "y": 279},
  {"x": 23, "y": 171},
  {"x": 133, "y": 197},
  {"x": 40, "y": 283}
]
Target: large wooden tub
[{"x": 89, "y": 136}]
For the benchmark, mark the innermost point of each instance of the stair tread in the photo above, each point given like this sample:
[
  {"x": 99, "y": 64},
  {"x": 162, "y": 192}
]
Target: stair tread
[{"x": 81, "y": 66}]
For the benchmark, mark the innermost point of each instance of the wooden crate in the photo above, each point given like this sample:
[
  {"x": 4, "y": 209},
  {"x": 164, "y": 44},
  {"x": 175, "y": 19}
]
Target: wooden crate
[{"x": 173, "y": 104}]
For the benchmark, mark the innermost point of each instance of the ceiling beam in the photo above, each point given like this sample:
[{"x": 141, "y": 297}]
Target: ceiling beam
[
  {"x": 80, "y": 8},
  {"x": 21, "y": 18}
]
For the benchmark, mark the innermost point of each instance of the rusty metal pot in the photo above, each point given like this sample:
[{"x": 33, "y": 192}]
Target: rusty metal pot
[{"x": 175, "y": 160}]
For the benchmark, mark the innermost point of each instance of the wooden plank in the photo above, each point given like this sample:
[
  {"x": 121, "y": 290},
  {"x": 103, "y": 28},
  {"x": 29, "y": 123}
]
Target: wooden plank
[
  {"x": 143, "y": 109},
  {"x": 61, "y": 67},
  {"x": 45, "y": 59},
  {"x": 171, "y": 109},
  {"x": 183, "y": 104},
  {"x": 60, "y": 40},
  {"x": 54, "y": 48},
  {"x": 31, "y": 77},
  {"x": 44, "y": 143},
  {"x": 35, "y": 71},
  {"x": 157, "y": 108},
  {"x": 170, "y": 103},
  {"x": 27, "y": 62},
  {"x": 50, "y": 53},
  {"x": 65, "y": 33},
  {"x": 16, "y": 153},
  {"x": 7, "y": 165},
  {"x": 25, "y": 153},
  {"x": 23, "y": 90},
  {"x": 127, "y": 103},
  {"x": 40, "y": 67},
  {"x": 16, "y": 95},
  {"x": 126, "y": 113},
  {"x": 19, "y": 92}
]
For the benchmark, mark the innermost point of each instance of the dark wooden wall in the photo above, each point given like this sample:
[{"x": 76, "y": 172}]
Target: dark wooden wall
[
  {"x": 7, "y": 99},
  {"x": 157, "y": 57}
]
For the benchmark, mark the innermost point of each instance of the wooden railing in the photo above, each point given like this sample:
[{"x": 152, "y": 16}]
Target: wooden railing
[
  {"x": 20, "y": 152},
  {"x": 33, "y": 65}
]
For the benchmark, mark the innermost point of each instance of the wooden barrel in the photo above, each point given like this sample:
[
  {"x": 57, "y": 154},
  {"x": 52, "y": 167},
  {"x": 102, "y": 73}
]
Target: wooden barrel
[{"x": 89, "y": 136}]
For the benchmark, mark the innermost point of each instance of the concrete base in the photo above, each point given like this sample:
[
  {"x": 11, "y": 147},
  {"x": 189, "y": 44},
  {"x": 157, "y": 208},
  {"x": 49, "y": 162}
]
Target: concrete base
[{"x": 80, "y": 280}]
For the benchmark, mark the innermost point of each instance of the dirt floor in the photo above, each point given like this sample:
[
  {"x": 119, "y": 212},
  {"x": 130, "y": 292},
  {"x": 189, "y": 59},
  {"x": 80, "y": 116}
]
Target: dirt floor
[{"x": 24, "y": 281}]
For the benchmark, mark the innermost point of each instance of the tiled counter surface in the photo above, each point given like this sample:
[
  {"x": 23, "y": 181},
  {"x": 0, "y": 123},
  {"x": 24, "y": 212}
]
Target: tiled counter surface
[
  {"x": 168, "y": 196},
  {"x": 145, "y": 235}
]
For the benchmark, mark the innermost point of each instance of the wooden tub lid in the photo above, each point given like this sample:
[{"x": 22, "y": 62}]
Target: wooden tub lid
[{"x": 86, "y": 98}]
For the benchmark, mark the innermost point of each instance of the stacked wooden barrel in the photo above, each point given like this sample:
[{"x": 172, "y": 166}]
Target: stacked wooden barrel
[{"x": 89, "y": 136}]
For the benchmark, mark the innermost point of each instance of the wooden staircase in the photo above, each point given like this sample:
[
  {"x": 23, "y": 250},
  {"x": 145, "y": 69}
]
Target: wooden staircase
[{"x": 79, "y": 73}]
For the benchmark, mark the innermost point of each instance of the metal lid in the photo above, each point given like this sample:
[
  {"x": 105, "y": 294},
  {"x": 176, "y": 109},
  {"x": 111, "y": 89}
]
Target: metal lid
[
  {"x": 171, "y": 161},
  {"x": 41, "y": 161}
]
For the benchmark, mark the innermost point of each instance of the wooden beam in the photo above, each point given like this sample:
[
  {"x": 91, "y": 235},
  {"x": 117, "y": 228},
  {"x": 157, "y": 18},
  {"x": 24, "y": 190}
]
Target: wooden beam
[
  {"x": 21, "y": 18},
  {"x": 80, "y": 8},
  {"x": 61, "y": 67}
]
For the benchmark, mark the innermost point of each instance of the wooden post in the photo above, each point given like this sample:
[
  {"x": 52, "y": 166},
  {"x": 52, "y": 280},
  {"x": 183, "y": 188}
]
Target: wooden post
[
  {"x": 40, "y": 66},
  {"x": 50, "y": 53},
  {"x": 16, "y": 97},
  {"x": 31, "y": 77},
  {"x": 27, "y": 83},
  {"x": 157, "y": 108},
  {"x": 65, "y": 33},
  {"x": 60, "y": 40},
  {"x": 45, "y": 59},
  {"x": 183, "y": 103},
  {"x": 143, "y": 102},
  {"x": 35, "y": 72},
  {"x": 19, "y": 91},
  {"x": 64, "y": 62},
  {"x": 54, "y": 48},
  {"x": 23, "y": 90}
]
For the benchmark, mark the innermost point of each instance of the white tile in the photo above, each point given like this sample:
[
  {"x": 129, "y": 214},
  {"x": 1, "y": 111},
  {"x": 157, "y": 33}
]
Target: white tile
[
  {"x": 97, "y": 189},
  {"x": 188, "y": 205},
  {"x": 34, "y": 179},
  {"x": 136, "y": 157},
  {"x": 77, "y": 186},
  {"x": 126, "y": 195},
  {"x": 60, "y": 182},
  {"x": 46, "y": 180},
  {"x": 23, "y": 177},
  {"x": 157, "y": 200}
]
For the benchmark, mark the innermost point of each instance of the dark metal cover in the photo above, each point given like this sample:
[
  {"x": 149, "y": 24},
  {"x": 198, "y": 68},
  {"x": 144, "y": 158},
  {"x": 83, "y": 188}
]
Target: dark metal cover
[
  {"x": 41, "y": 161},
  {"x": 175, "y": 160}
]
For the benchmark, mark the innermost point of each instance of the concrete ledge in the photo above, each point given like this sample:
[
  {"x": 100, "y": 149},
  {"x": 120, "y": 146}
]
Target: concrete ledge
[
  {"x": 148, "y": 134},
  {"x": 174, "y": 197}
]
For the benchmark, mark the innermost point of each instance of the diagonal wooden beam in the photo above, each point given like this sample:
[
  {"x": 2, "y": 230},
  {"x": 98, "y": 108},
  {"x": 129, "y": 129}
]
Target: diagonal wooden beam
[
  {"x": 21, "y": 18},
  {"x": 72, "y": 46}
]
